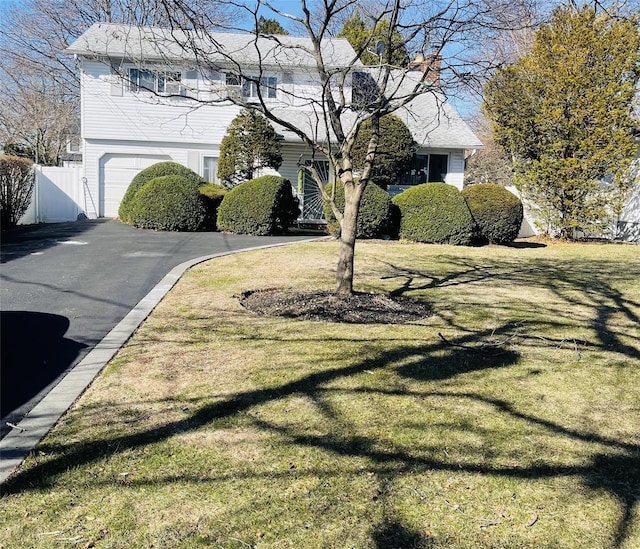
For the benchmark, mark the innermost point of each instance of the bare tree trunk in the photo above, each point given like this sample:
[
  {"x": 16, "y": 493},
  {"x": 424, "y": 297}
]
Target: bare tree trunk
[{"x": 348, "y": 229}]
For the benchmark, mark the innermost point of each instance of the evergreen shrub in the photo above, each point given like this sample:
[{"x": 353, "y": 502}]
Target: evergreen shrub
[
  {"x": 435, "y": 213},
  {"x": 396, "y": 150},
  {"x": 212, "y": 195},
  {"x": 17, "y": 180},
  {"x": 260, "y": 206},
  {"x": 159, "y": 169},
  {"x": 168, "y": 203},
  {"x": 496, "y": 211},
  {"x": 374, "y": 216}
]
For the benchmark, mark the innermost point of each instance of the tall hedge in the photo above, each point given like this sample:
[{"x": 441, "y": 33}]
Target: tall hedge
[
  {"x": 17, "y": 179},
  {"x": 259, "y": 206},
  {"x": 374, "y": 216},
  {"x": 168, "y": 203},
  {"x": 497, "y": 212},
  {"x": 156, "y": 170},
  {"x": 435, "y": 213}
]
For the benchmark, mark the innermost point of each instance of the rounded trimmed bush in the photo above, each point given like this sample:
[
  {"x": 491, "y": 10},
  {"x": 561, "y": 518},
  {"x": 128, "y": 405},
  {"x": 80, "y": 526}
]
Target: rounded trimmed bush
[
  {"x": 212, "y": 195},
  {"x": 159, "y": 169},
  {"x": 497, "y": 212},
  {"x": 168, "y": 203},
  {"x": 435, "y": 213},
  {"x": 260, "y": 206},
  {"x": 374, "y": 216}
]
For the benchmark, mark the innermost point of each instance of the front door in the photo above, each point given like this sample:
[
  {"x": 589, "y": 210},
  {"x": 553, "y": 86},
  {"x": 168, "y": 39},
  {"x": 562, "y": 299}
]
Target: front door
[{"x": 310, "y": 194}]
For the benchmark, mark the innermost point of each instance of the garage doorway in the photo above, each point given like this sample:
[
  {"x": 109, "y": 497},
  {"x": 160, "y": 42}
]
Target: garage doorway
[{"x": 116, "y": 173}]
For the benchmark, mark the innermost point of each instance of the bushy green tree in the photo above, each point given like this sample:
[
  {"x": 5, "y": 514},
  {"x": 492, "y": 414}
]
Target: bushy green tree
[
  {"x": 563, "y": 113},
  {"x": 396, "y": 149},
  {"x": 363, "y": 39},
  {"x": 435, "y": 213},
  {"x": 270, "y": 26},
  {"x": 250, "y": 145},
  {"x": 168, "y": 203},
  {"x": 497, "y": 212}
]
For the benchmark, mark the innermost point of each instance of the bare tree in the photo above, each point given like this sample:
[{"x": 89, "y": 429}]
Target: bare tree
[
  {"x": 443, "y": 33},
  {"x": 327, "y": 116},
  {"x": 37, "y": 114}
]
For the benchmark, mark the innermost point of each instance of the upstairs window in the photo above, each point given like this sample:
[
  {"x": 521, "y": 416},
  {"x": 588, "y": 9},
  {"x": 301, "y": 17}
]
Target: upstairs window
[
  {"x": 232, "y": 80},
  {"x": 251, "y": 87},
  {"x": 160, "y": 82},
  {"x": 268, "y": 86}
]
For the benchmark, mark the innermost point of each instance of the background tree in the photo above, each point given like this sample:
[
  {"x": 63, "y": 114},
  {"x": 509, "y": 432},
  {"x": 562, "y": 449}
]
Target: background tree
[
  {"x": 270, "y": 26},
  {"x": 563, "y": 113},
  {"x": 39, "y": 105},
  {"x": 250, "y": 145},
  {"x": 39, "y": 119},
  {"x": 489, "y": 164},
  {"x": 396, "y": 149},
  {"x": 363, "y": 37}
]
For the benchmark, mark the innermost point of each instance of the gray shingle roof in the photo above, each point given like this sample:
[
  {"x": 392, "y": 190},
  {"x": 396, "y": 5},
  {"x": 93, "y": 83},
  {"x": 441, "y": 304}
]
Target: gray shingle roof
[
  {"x": 160, "y": 44},
  {"x": 432, "y": 120}
]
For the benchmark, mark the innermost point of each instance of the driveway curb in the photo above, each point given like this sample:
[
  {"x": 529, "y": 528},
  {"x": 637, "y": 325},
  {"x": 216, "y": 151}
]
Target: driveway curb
[{"x": 16, "y": 445}]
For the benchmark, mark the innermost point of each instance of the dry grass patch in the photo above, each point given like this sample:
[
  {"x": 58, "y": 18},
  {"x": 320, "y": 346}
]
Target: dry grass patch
[{"x": 509, "y": 418}]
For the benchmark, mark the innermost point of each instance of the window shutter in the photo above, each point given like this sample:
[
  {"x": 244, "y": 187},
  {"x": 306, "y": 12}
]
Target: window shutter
[
  {"x": 116, "y": 83},
  {"x": 193, "y": 161}
]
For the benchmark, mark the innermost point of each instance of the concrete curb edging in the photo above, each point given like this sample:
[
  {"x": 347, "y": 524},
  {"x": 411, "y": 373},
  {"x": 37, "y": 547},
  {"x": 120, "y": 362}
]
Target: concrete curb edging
[{"x": 18, "y": 444}]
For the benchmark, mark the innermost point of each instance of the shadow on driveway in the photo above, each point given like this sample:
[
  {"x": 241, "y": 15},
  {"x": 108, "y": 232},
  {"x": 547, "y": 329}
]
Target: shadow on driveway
[
  {"x": 25, "y": 240},
  {"x": 34, "y": 353}
]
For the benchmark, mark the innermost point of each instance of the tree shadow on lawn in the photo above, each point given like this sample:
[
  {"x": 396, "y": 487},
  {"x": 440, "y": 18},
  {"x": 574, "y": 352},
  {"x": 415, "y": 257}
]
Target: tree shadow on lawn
[
  {"x": 576, "y": 282},
  {"x": 618, "y": 473}
]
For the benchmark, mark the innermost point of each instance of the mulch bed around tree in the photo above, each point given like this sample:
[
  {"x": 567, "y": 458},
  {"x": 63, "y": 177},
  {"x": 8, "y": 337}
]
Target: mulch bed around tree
[{"x": 358, "y": 308}]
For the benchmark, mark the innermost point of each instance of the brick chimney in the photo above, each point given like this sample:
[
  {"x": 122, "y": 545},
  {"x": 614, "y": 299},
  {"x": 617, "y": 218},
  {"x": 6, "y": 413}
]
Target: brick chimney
[{"x": 430, "y": 64}]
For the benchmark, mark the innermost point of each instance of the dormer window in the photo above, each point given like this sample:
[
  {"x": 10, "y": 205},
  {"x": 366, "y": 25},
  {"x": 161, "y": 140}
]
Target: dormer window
[{"x": 365, "y": 91}]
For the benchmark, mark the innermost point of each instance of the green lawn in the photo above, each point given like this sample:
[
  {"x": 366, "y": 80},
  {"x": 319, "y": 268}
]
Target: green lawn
[{"x": 509, "y": 418}]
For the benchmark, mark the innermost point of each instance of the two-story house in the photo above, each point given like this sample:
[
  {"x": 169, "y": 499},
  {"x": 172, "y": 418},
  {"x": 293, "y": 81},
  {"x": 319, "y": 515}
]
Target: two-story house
[{"x": 145, "y": 98}]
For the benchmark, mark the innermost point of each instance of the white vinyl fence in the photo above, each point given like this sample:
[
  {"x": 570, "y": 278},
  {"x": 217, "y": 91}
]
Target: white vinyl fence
[{"x": 59, "y": 195}]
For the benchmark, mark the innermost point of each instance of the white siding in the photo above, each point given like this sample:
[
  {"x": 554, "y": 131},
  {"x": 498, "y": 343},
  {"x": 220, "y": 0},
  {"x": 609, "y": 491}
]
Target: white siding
[
  {"x": 99, "y": 152},
  {"x": 143, "y": 116},
  {"x": 455, "y": 174}
]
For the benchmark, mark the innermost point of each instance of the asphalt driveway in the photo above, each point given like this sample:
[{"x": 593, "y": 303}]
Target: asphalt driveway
[{"x": 64, "y": 286}]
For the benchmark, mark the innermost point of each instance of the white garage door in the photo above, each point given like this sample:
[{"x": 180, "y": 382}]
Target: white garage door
[{"x": 116, "y": 172}]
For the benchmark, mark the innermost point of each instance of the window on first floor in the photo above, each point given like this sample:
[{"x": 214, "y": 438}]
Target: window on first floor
[
  {"x": 210, "y": 169},
  {"x": 427, "y": 168},
  {"x": 161, "y": 82}
]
